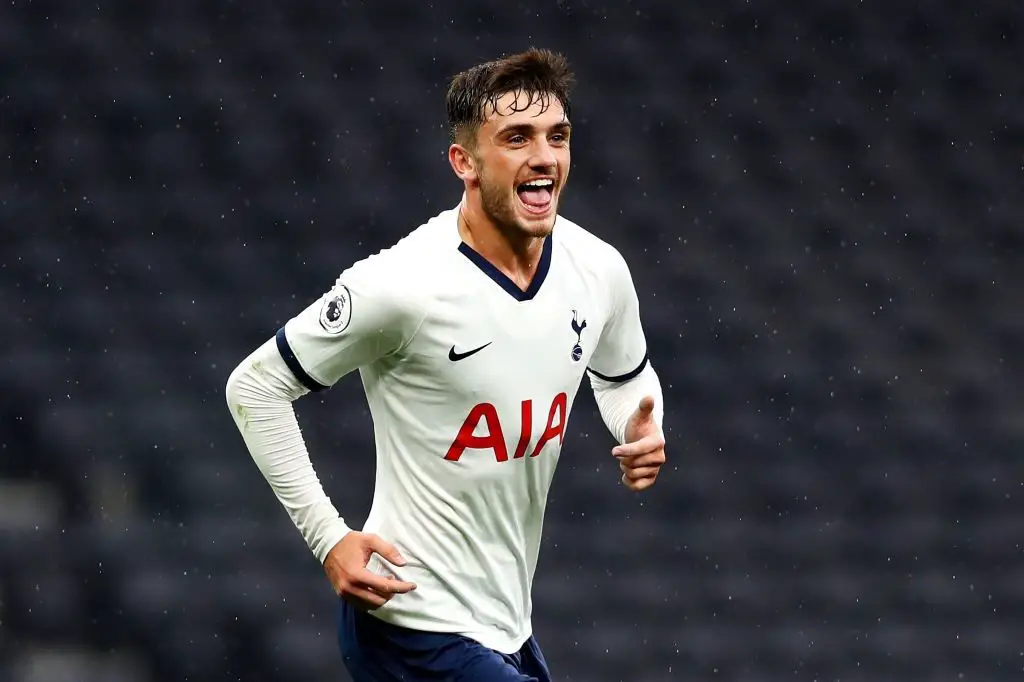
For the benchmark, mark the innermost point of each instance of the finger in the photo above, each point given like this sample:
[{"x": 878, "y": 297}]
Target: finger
[
  {"x": 640, "y": 447},
  {"x": 639, "y": 485},
  {"x": 365, "y": 599},
  {"x": 646, "y": 407},
  {"x": 387, "y": 595},
  {"x": 651, "y": 459},
  {"x": 643, "y": 472},
  {"x": 382, "y": 585},
  {"x": 386, "y": 577},
  {"x": 385, "y": 549}
]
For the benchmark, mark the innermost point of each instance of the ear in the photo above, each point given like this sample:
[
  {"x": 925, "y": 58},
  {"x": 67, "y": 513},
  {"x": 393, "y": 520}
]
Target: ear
[{"x": 462, "y": 163}]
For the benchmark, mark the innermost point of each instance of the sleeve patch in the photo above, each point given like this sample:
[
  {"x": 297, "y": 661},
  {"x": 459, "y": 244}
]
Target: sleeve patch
[{"x": 336, "y": 311}]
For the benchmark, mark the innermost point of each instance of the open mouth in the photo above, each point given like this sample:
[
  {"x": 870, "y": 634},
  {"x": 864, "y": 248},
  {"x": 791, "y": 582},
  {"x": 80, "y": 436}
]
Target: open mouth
[{"x": 536, "y": 195}]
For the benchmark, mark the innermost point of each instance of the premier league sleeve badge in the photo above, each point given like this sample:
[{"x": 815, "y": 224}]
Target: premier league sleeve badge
[{"x": 336, "y": 311}]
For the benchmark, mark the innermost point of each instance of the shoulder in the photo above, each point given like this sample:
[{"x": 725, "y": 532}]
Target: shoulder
[
  {"x": 393, "y": 287},
  {"x": 408, "y": 266},
  {"x": 590, "y": 252}
]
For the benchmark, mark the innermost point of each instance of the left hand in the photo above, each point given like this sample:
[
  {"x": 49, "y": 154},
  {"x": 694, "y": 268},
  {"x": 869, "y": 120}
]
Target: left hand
[{"x": 643, "y": 453}]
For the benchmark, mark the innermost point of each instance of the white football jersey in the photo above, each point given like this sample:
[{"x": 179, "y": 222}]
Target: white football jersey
[{"x": 470, "y": 382}]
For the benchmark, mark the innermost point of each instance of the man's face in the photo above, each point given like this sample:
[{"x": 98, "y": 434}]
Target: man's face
[{"x": 522, "y": 160}]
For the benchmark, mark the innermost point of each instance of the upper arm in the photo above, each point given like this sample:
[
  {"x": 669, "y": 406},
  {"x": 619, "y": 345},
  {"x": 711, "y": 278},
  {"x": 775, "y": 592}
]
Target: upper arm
[
  {"x": 366, "y": 315},
  {"x": 621, "y": 352}
]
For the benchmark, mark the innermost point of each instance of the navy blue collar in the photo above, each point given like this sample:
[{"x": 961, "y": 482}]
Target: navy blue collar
[{"x": 503, "y": 280}]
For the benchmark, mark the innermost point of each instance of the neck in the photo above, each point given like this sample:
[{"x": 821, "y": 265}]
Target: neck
[{"x": 514, "y": 253}]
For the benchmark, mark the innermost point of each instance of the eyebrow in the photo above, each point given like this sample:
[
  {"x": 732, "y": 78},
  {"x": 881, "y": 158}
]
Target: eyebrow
[{"x": 529, "y": 128}]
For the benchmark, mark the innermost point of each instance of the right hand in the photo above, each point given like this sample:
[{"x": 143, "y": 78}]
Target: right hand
[{"x": 345, "y": 566}]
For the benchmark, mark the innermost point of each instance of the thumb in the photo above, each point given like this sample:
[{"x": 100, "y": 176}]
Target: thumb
[
  {"x": 646, "y": 408},
  {"x": 386, "y": 550}
]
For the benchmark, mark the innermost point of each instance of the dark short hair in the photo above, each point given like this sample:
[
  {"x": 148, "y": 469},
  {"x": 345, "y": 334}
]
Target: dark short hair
[{"x": 538, "y": 74}]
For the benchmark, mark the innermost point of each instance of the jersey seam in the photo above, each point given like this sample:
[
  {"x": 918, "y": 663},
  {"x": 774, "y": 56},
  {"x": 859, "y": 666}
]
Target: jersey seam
[
  {"x": 615, "y": 313},
  {"x": 414, "y": 334}
]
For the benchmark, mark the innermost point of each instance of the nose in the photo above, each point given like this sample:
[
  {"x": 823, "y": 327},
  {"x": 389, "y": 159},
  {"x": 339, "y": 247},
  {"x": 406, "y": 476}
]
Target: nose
[{"x": 543, "y": 156}]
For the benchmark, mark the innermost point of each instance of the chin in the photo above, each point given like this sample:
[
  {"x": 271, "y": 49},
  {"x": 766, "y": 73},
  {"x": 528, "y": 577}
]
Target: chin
[
  {"x": 537, "y": 228},
  {"x": 536, "y": 224}
]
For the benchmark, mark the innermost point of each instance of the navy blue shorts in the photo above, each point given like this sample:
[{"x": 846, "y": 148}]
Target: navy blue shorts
[{"x": 375, "y": 651}]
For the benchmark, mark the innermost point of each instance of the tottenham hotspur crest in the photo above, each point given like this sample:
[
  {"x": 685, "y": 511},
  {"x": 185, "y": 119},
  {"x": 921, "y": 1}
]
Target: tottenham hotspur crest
[
  {"x": 336, "y": 311},
  {"x": 578, "y": 327}
]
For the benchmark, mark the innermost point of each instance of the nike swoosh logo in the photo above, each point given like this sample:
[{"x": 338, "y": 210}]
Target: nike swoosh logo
[{"x": 455, "y": 356}]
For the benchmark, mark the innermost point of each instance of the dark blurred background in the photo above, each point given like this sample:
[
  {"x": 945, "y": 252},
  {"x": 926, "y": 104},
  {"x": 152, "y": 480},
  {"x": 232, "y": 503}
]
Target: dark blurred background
[{"x": 821, "y": 205}]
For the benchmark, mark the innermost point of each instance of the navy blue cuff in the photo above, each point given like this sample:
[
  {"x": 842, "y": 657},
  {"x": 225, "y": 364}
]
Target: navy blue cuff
[
  {"x": 622, "y": 377},
  {"x": 293, "y": 363}
]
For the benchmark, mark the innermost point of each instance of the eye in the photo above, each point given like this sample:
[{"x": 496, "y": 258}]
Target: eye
[{"x": 517, "y": 139}]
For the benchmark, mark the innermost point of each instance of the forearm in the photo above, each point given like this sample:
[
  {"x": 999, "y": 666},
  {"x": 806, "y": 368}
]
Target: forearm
[
  {"x": 617, "y": 400},
  {"x": 260, "y": 392}
]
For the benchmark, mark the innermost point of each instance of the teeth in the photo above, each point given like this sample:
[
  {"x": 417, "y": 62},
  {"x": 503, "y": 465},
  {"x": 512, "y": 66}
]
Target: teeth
[{"x": 539, "y": 183}]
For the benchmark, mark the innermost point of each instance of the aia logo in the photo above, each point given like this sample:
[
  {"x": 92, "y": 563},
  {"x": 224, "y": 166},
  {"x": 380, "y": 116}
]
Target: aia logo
[
  {"x": 578, "y": 327},
  {"x": 494, "y": 439}
]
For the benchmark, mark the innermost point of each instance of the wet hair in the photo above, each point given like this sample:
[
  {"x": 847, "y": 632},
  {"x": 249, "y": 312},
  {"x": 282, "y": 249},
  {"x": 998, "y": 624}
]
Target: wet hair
[{"x": 537, "y": 75}]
